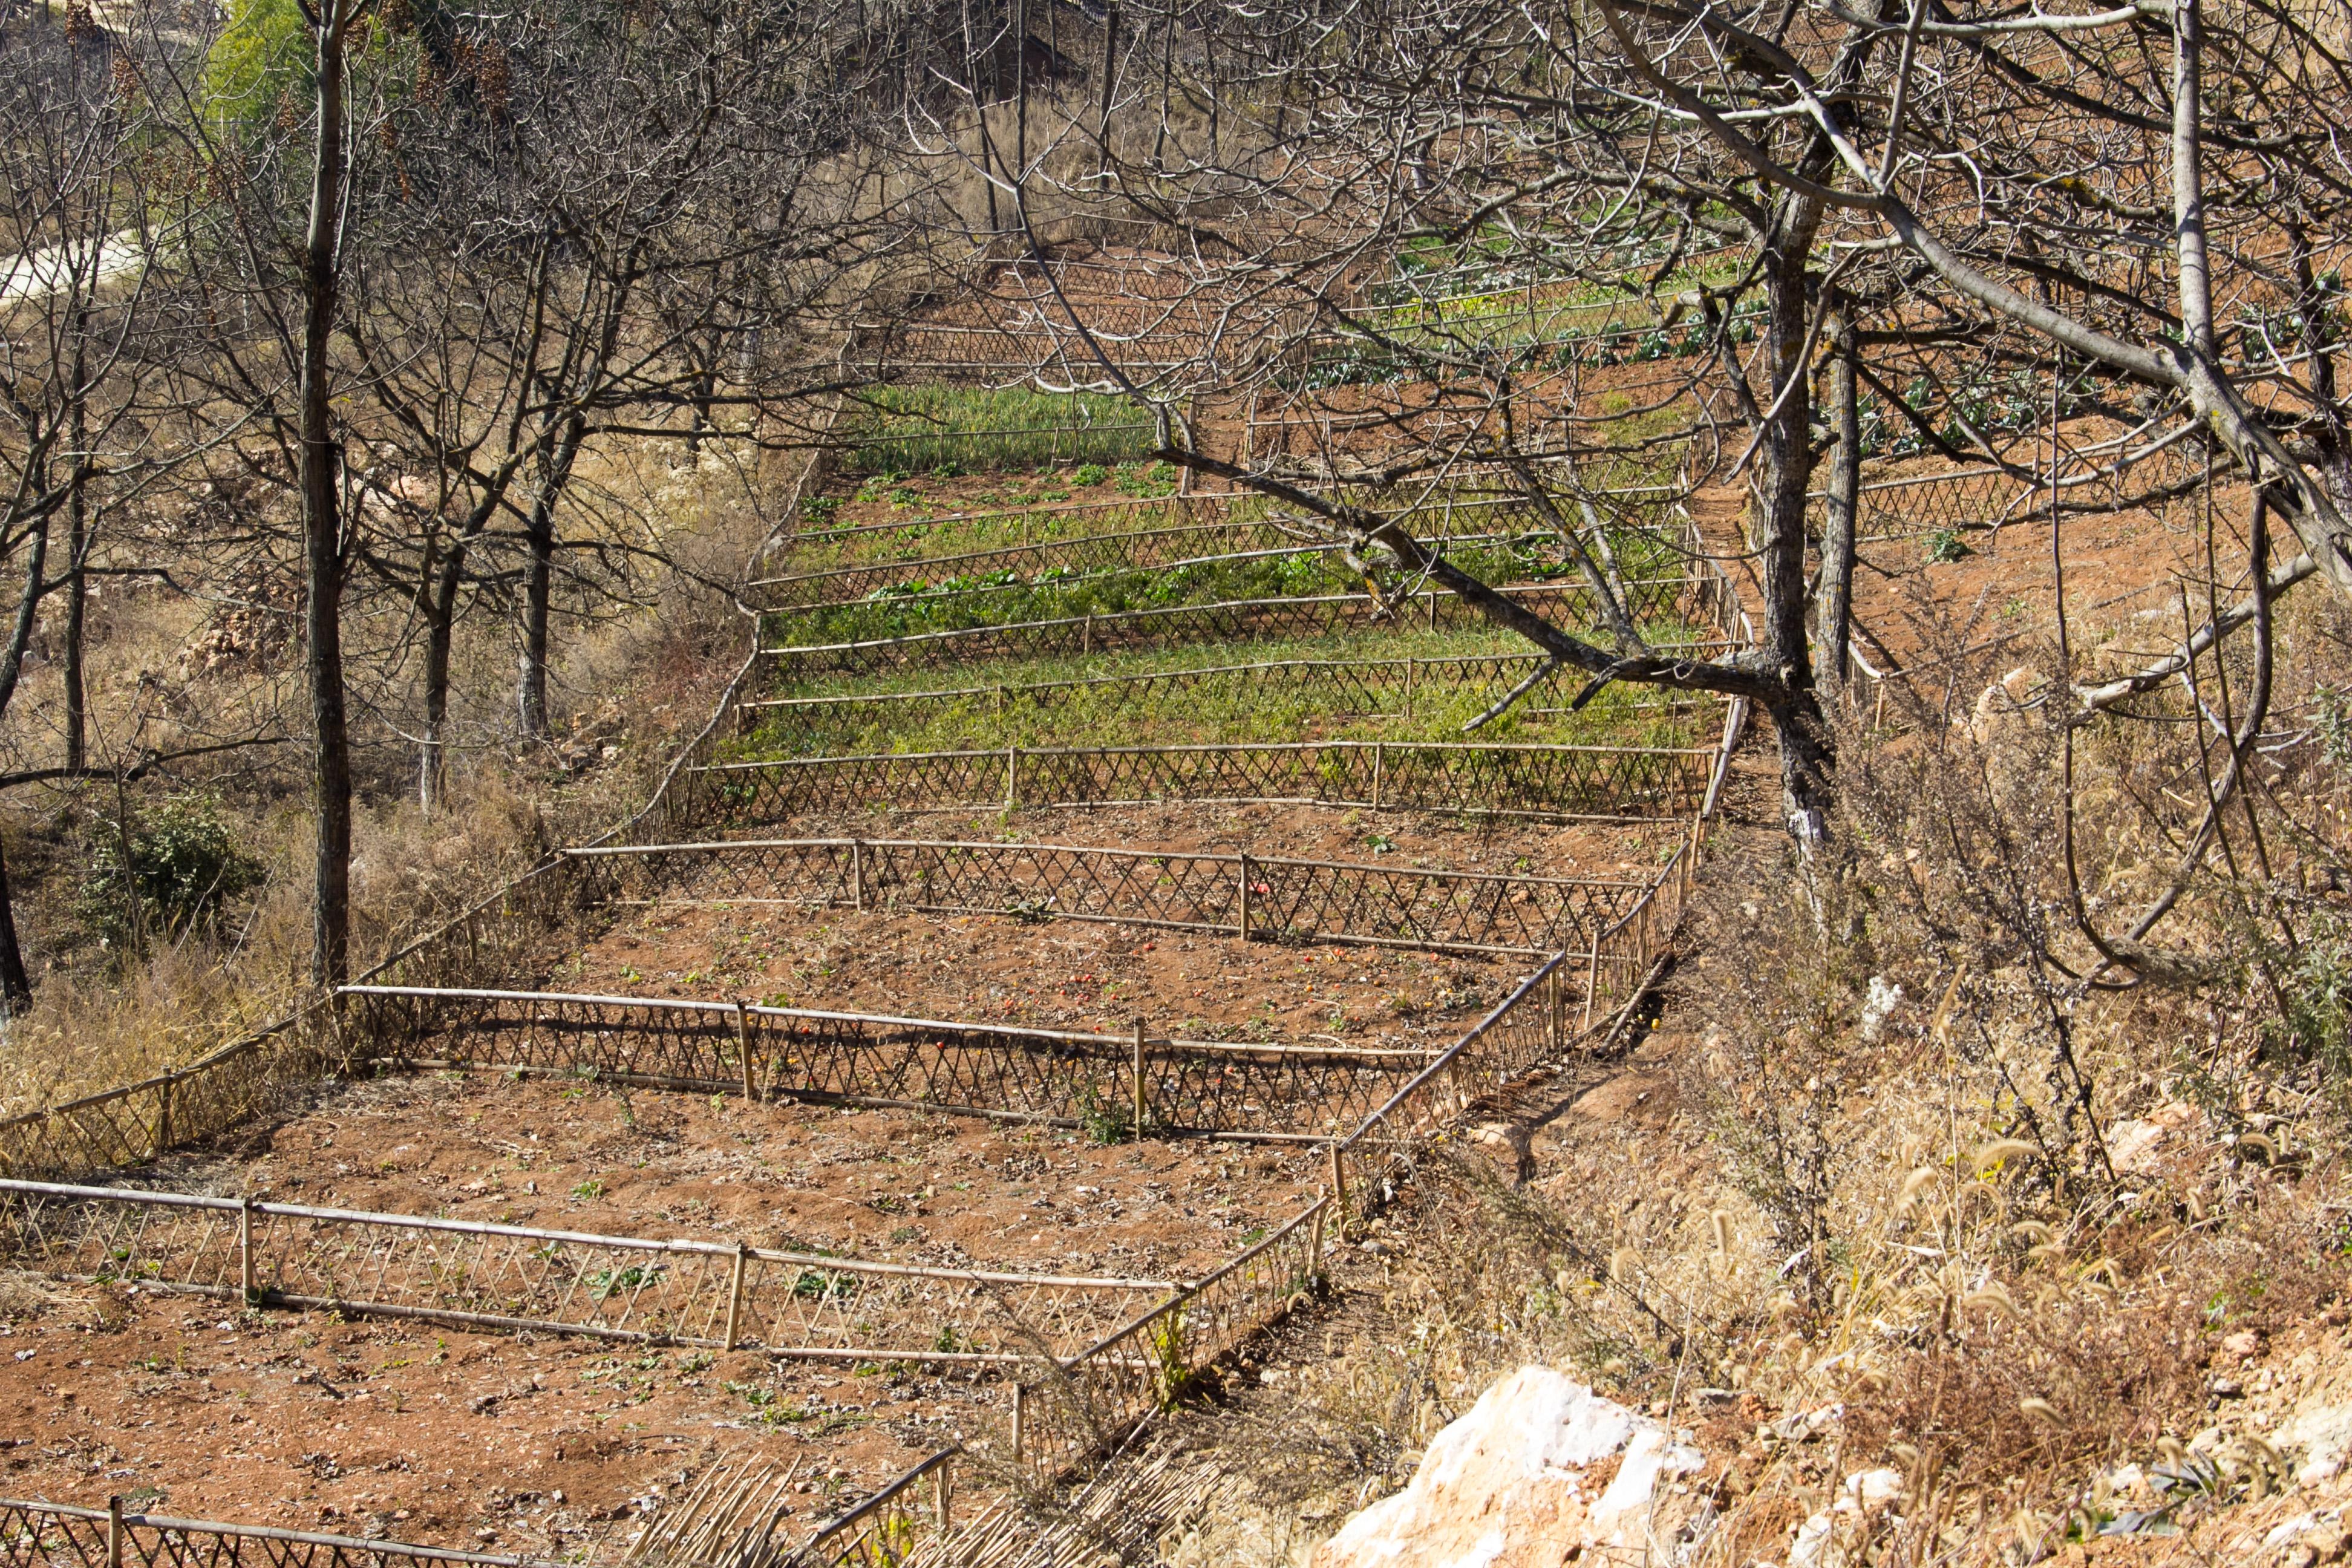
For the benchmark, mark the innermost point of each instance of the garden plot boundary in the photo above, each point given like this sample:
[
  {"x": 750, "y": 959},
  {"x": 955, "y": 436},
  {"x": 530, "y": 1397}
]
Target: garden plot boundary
[
  {"x": 1562, "y": 783},
  {"x": 1384, "y": 687},
  {"x": 507, "y": 1279},
  {"x": 58, "y": 1535},
  {"x": 1253, "y": 897},
  {"x": 1169, "y": 626},
  {"x": 1110, "y": 1085}
]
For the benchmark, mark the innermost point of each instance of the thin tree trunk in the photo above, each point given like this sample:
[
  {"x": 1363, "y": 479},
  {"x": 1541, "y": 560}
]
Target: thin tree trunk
[
  {"x": 78, "y": 557},
  {"x": 1835, "y": 596},
  {"x": 441, "y": 620},
  {"x": 538, "y": 586},
  {"x": 323, "y": 559},
  {"x": 1787, "y": 442}
]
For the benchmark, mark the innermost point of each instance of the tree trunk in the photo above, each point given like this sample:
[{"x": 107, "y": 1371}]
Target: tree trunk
[
  {"x": 78, "y": 557},
  {"x": 1834, "y": 598},
  {"x": 322, "y": 555},
  {"x": 441, "y": 620},
  {"x": 1786, "y": 444},
  {"x": 16, "y": 985},
  {"x": 538, "y": 586}
]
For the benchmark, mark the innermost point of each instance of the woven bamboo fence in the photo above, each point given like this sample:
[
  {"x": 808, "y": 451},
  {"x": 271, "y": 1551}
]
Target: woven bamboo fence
[
  {"x": 57, "y": 1535},
  {"x": 926, "y": 582},
  {"x": 1253, "y": 897},
  {"x": 1601, "y": 784},
  {"x": 504, "y": 1278},
  {"x": 1370, "y": 687},
  {"x": 1175, "y": 626},
  {"x": 1110, "y": 1084}
]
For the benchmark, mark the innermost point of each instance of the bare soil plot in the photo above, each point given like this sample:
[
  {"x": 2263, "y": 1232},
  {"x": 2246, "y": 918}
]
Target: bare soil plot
[{"x": 435, "y": 1435}]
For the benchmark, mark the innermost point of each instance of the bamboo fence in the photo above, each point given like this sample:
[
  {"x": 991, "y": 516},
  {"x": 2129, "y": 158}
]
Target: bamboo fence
[
  {"x": 1253, "y": 897},
  {"x": 55, "y": 1535},
  {"x": 505, "y": 1278},
  {"x": 1367, "y": 687},
  {"x": 1599, "y": 783},
  {"x": 1175, "y": 625},
  {"x": 1111, "y": 1084}
]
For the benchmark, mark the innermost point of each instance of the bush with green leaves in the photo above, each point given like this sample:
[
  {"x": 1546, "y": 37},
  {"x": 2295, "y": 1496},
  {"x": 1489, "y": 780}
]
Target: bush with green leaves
[{"x": 169, "y": 872}]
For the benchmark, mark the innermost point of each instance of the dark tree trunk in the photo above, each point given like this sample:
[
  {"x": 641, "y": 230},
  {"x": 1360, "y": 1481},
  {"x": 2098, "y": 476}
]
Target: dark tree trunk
[
  {"x": 322, "y": 551},
  {"x": 1835, "y": 595},
  {"x": 77, "y": 559},
  {"x": 444, "y": 579},
  {"x": 16, "y": 985},
  {"x": 1787, "y": 445},
  {"x": 538, "y": 586}
]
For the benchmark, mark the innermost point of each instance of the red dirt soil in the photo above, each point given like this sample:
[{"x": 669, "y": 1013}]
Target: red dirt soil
[{"x": 436, "y": 1436}]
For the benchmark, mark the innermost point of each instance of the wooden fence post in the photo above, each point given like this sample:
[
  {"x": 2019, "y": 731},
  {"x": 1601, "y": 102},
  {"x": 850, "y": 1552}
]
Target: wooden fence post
[
  {"x": 245, "y": 1250},
  {"x": 1339, "y": 1188},
  {"x": 1380, "y": 768},
  {"x": 1315, "y": 1243},
  {"x": 743, "y": 1049},
  {"x": 1592, "y": 985},
  {"x": 1245, "y": 896},
  {"x": 1409, "y": 665},
  {"x": 1139, "y": 1095},
  {"x": 115, "y": 1530},
  {"x": 735, "y": 1295},
  {"x": 1020, "y": 1414},
  {"x": 1012, "y": 767},
  {"x": 943, "y": 1484},
  {"x": 164, "y": 1114},
  {"x": 857, "y": 874}
]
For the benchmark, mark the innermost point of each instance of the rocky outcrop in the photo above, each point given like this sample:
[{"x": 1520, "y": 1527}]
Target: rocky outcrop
[{"x": 1541, "y": 1471}]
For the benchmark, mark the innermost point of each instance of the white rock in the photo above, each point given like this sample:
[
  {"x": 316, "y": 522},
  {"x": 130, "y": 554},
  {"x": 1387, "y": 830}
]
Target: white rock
[
  {"x": 1877, "y": 1006},
  {"x": 1816, "y": 1546},
  {"x": 1505, "y": 1487},
  {"x": 2323, "y": 1433}
]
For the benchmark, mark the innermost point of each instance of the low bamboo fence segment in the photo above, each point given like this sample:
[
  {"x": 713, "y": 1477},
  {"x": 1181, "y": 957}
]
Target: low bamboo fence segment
[
  {"x": 1595, "y": 783},
  {"x": 1253, "y": 897},
  {"x": 503, "y": 1278},
  {"x": 1176, "y": 625},
  {"x": 1109, "y": 1084},
  {"x": 1093, "y": 1403},
  {"x": 57, "y": 1535},
  {"x": 882, "y": 1530}
]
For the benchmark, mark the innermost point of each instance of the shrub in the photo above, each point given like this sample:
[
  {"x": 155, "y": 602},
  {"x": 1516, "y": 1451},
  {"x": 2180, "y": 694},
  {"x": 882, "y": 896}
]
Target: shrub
[{"x": 171, "y": 872}]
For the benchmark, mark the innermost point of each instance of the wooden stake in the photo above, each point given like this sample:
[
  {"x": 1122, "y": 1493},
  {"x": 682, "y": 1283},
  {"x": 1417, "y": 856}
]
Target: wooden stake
[
  {"x": 1339, "y": 1189},
  {"x": 1139, "y": 1079},
  {"x": 1315, "y": 1243},
  {"x": 1012, "y": 766},
  {"x": 163, "y": 1116},
  {"x": 1245, "y": 897},
  {"x": 735, "y": 1296},
  {"x": 245, "y": 1250},
  {"x": 943, "y": 1483},
  {"x": 857, "y": 873},
  {"x": 1020, "y": 1415},
  {"x": 743, "y": 1049},
  {"x": 1379, "y": 768},
  {"x": 1591, "y": 983},
  {"x": 114, "y": 1531}
]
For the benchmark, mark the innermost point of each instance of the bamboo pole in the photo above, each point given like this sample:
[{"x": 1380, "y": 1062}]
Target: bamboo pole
[
  {"x": 1139, "y": 1080},
  {"x": 115, "y": 1530},
  {"x": 735, "y": 1295},
  {"x": 244, "y": 1274}
]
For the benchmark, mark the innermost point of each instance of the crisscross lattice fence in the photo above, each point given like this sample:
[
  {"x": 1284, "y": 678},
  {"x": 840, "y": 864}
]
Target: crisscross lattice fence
[
  {"x": 1109, "y": 1082},
  {"x": 1173, "y": 626},
  {"x": 505, "y": 1278},
  {"x": 1094, "y": 1401},
  {"x": 1249, "y": 896},
  {"x": 1383, "y": 687},
  {"x": 57, "y": 1535},
  {"x": 1611, "y": 784}
]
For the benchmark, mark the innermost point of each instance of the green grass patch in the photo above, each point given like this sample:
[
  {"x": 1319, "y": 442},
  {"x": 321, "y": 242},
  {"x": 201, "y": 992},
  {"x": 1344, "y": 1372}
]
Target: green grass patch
[{"x": 924, "y": 430}]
